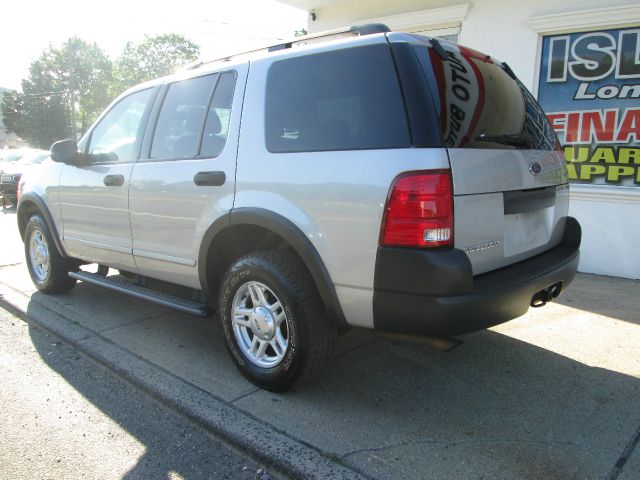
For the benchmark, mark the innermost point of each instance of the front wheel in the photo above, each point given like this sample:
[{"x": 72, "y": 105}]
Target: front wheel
[
  {"x": 272, "y": 320},
  {"x": 48, "y": 269}
]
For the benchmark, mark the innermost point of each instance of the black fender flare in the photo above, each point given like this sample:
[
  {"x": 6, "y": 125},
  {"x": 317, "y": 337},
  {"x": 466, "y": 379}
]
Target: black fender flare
[
  {"x": 40, "y": 204},
  {"x": 288, "y": 231}
]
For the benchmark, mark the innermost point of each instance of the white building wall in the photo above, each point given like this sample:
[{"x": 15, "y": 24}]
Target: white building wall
[{"x": 511, "y": 30}]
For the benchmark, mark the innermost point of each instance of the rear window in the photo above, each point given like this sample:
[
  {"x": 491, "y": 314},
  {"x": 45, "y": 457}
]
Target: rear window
[
  {"x": 481, "y": 104},
  {"x": 342, "y": 100}
]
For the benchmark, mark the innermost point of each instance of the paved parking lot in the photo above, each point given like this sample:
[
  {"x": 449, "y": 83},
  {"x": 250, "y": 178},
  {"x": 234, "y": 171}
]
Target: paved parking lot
[{"x": 553, "y": 394}]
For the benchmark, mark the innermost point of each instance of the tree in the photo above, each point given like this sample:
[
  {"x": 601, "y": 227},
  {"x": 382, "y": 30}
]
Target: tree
[
  {"x": 155, "y": 57},
  {"x": 62, "y": 82},
  {"x": 68, "y": 87}
]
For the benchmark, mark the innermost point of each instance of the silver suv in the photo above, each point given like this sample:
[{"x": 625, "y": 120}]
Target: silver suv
[{"x": 379, "y": 180}]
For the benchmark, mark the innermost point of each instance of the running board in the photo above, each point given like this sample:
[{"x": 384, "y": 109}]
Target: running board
[{"x": 171, "y": 301}]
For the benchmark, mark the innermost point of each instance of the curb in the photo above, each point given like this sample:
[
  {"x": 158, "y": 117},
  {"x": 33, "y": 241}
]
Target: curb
[{"x": 279, "y": 453}]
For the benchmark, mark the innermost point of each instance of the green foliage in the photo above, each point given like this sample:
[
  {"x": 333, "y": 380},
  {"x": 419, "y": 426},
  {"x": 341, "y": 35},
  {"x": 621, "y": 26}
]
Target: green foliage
[
  {"x": 12, "y": 108},
  {"x": 41, "y": 114},
  {"x": 81, "y": 71},
  {"x": 300, "y": 33},
  {"x": 155, "y": 57}
]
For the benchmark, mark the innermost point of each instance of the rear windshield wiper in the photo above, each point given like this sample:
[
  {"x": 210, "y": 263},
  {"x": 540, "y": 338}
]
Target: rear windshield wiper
[
  {"x": 438, "y": 48},
  {"x": 515, "y": 139}
]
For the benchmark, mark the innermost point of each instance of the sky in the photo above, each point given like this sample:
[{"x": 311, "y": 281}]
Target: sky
[{"x": 220, "y": 27}]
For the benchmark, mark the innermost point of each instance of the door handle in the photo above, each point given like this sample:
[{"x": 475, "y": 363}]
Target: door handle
[
  {"x": 209, "y": 179},
  {"x": 114, "y": 180}
]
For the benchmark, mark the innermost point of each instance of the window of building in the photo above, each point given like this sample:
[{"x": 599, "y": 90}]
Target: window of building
[
  {"x": 589, "y": 87},
  {"x": 450, "y": 34}
]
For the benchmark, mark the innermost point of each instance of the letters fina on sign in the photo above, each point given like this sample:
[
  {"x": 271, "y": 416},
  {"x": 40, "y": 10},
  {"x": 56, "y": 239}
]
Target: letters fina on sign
[{"x": 590, "y": 88}]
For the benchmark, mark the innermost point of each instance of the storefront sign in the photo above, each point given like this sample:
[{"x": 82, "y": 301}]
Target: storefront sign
[{"x": 590, "y": 88}]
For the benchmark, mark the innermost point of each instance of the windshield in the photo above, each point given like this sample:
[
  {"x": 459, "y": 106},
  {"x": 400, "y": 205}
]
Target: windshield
[{"x": 480, "y": 101}]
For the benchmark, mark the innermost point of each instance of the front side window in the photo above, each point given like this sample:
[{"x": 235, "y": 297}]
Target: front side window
[
  {"x": 116, "y": 134},
  {"x": 181, "y": 118},
  {"x": 342, "y": 100}
]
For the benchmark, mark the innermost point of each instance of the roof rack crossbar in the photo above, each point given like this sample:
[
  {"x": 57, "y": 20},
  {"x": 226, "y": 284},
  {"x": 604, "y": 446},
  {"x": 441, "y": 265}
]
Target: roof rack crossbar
[{"x": 365, "y": 29}]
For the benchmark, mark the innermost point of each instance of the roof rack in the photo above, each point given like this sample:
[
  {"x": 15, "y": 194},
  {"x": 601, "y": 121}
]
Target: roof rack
[{"x": 354, "y": 30}]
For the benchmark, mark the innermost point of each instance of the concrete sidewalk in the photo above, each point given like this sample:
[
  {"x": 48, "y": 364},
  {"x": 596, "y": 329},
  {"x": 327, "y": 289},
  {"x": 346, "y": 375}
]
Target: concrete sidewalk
[{"x": 553, "y": 394}]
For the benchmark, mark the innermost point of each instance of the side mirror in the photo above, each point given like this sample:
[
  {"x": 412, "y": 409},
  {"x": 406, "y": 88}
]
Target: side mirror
[{"x": 64, "y": 151}]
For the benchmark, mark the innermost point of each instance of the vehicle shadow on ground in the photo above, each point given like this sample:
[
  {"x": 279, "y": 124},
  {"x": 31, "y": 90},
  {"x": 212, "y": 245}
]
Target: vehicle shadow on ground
[
  {"x": 609, "y": 296},
  {"x": 171, "y": 449},
  {"x": 496, "y": 406},
  {"x": 505, "y": 407}
]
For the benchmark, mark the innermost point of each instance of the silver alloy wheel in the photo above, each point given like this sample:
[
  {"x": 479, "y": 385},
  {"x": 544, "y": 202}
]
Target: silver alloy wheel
[
  {"x": 39, "y": 255},
  {"x": 260, "y": 324}
]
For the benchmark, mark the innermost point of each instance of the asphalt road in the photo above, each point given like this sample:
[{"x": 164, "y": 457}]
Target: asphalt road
[
  {"x": 553, "y": 394},
  {"x": 63, "y": 416}
]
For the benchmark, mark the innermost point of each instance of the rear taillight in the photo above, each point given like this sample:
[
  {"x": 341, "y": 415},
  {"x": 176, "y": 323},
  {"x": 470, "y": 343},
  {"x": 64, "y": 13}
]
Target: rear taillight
[{"x": 419, "y": 211}]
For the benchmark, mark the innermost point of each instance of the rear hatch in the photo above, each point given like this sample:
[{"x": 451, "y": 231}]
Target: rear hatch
[{"x": 508, "y": 172}]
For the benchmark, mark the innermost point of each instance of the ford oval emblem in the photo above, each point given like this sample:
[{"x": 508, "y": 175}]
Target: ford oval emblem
[{"x": 535, "y": 168}]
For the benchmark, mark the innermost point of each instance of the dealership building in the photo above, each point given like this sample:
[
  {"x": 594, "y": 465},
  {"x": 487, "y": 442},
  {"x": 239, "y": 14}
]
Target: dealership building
[{"x": 581, "y": 59}]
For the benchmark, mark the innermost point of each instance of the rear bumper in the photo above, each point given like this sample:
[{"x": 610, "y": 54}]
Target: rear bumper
[{"x": 434, "y": 292}]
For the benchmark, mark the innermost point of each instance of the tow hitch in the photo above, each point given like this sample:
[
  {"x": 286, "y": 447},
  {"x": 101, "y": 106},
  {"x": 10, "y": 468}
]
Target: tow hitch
[{"x": 541, "y": 298}]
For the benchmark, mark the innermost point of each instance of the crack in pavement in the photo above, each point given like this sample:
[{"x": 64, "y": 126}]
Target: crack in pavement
[
  {"x": 127, "y": 324},
  {"x": 430, "y": 441},
  {"x": 625, "y": 456},
  {"x": 245, "y": 395}
]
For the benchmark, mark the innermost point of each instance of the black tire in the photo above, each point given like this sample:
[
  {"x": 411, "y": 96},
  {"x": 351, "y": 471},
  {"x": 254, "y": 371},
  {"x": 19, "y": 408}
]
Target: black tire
[
  {"x": 56, "y": 278},
  {"x": 310, "y": 337}
]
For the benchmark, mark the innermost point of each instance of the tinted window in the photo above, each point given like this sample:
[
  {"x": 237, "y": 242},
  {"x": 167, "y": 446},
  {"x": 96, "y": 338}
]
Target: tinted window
[
  {"x": 341, "y": 100},
  {"x": 117, "y": 132},
  {"x": 481, "y": 105},
  {"x": 216, "y": 128},
  {"x": 181, "y": 118}
]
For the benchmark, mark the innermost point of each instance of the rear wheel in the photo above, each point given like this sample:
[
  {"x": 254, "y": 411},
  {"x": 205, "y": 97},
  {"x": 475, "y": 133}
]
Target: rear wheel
[
  {"x": 272, "y": 320},
  {"x": 48, "y": 269}
]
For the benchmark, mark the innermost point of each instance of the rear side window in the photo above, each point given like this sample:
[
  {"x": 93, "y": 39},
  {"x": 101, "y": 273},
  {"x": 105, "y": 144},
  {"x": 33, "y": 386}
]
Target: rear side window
[
  {"x": 177, "y": 133},
  {"x": 342, "y": 100},
  {"x": 481, "y": 104}
]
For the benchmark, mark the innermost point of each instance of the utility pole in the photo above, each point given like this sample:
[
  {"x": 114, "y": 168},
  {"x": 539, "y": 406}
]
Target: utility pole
[{"x": 72, "y": 93}]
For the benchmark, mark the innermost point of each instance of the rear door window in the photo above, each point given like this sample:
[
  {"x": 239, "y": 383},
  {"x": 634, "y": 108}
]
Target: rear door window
[
  {"x": 480, "y": 102},
  {"x": 341, "y": 100},
  {"x": 181, "y": 119}
]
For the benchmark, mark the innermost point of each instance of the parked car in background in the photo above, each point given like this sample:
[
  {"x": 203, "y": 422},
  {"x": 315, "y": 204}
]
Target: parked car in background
[
  {"x": 11, "y": 155},
  {"x": 12, "y": 172}
]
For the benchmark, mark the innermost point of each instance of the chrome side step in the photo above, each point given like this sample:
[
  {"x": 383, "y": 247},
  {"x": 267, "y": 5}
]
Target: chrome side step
[{"x": 171, "y": 301}]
